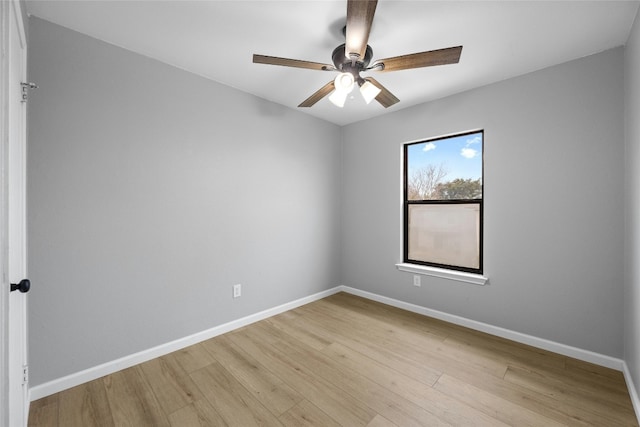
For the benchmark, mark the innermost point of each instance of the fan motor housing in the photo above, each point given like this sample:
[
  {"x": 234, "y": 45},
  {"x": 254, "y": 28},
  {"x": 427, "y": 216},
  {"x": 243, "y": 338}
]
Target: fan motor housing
[{"x": 343, "y": 63}]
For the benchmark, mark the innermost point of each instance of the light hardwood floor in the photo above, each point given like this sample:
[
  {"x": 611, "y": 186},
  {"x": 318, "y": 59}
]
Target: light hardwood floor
[{"x": 347, "y": 361}]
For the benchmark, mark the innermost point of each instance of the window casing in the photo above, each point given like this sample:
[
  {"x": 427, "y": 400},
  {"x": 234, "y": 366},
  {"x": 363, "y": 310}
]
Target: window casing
[{"x": 443, "y": 202}]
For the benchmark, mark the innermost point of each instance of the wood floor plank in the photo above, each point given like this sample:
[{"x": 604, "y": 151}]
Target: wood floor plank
[
  {"x": 132, "y": 401},
  {"x": 543, "y": 404},
  {"x": 610, "y": 378},
  {"x": 348, "y": 361},
  {"x": 547, "y": 406},
  {"x": 497, "y": 407},
  {"x": 385, "y": 375},
  {"x": 266, "y": 387},
  {"x": 393, "y": 315},
  {"x": 383, "y": 330},
  {"x": 380, "y": 421},
  {"x": 427, "y": 406},
  {"x": 306, "y": 414},
  {"x": 85, "y": 405},
  {"x": 382, "y": 401},
  {"x": 193, "y": 358},
  {"x": 322, "y": 393},
  {"x": 478, "y": 361},
  {"x": 171, "y": 385},
  {"x": 232, "y": 401},
  {"x": 44, "y": 412},
  {"x": 615, "y": 413},
  {"x": 197, "y": 414},
  {"x": 391, "y": 357},
  {"x": 289, "y": 322},
  {"x": 412, "y": 390},
  {"x": 414, "y": 350},
  {"x": 414, "y": 322},
  {"x": 588, "y": 386},
  {"x": 606, "y": 383},
  {"x": 504, "y": 350}
]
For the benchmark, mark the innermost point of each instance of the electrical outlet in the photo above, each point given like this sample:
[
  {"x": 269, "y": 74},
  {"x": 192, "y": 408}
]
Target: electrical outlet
[
  {"x": 416, "y": 280},
  {"x": 237, "y": 290}
]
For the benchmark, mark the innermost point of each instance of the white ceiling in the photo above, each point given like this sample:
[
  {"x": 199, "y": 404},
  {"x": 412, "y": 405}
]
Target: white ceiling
[{"x": 216, "y": 39}]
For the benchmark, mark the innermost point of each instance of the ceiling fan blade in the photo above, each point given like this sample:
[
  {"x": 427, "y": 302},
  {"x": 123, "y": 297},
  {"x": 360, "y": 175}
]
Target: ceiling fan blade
[
  {"x": 359, "y": 19},
  {"x": 385, "y": 98},
  {"x": 430, "y": 58},
  {"x": 286, "y": 62},
  {"x": 318, "y": 95}
]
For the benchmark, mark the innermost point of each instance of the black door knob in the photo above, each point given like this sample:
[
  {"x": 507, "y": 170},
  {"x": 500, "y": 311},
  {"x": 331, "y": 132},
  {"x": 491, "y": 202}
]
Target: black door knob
[{"x": 23, "y": 286}]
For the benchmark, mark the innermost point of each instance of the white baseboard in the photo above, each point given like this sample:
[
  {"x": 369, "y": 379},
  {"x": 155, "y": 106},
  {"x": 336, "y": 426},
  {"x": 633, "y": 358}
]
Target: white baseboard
[
  {"x": 99, "y": 371},
  {"x": 107, "y": 368},
  {"x": 566, "y": 350}
]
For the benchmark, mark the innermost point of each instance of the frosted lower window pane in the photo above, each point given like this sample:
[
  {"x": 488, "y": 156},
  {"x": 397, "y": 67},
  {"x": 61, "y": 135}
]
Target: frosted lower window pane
[{"x": 445, "y": 234}]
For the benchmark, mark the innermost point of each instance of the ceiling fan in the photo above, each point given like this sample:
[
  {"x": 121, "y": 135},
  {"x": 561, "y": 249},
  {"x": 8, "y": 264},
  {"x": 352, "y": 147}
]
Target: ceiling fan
[{"x": 354, "y": 57}]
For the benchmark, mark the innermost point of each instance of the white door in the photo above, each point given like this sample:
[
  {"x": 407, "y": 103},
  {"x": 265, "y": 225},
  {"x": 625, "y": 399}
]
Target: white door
[{"x": 15, "y": 400}]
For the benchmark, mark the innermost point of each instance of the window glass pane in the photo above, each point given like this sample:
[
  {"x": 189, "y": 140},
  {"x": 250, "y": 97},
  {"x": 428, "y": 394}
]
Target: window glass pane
[
  {"x": 447, "y": 234},
  {"x": 445, "y": 169}
]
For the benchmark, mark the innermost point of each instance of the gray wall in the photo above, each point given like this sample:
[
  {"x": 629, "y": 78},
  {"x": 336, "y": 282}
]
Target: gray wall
[
  {"x": 553, "y": 245},
  {"x": 152, "y": 191},
  {"x": 632, "y": 211}
]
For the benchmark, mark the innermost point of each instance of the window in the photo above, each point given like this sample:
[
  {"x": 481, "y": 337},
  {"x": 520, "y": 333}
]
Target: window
[{"x": 443, "y": 187}]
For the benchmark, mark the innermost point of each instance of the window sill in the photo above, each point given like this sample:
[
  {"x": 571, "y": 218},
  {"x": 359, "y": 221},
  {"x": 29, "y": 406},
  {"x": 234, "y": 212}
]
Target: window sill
[{"x": 459, "y": 276}]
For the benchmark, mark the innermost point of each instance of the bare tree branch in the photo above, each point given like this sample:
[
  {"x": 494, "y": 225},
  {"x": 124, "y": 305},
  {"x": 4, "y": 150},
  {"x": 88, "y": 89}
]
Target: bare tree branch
[{"x": 423, "y": 182}]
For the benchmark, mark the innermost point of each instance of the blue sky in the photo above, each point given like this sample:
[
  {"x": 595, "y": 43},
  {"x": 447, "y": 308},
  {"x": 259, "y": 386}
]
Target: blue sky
[{"x": 461, "y": 155}]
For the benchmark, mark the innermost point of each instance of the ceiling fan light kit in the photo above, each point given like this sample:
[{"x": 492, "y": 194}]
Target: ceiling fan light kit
[
  {"x": 344, "y": 82},
  {"x": 343, "y": 85},
  {"x": 338, "y": 98},
  {"x": 369, "y": 91},
  {"x": 354, "y": 57}
]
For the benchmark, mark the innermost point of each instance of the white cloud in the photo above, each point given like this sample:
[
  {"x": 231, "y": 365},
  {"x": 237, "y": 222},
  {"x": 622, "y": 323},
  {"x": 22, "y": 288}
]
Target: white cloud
[
  {"x": 475, "y": 140},
  {"x": 469, "y": 153},
  {"x": 429, "y": 146}
]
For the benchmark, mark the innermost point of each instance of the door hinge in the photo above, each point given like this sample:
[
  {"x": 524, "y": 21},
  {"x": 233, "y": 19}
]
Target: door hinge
[
  {"x": 25, "y": 375},
  {"x": 25, "y": 90}
]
